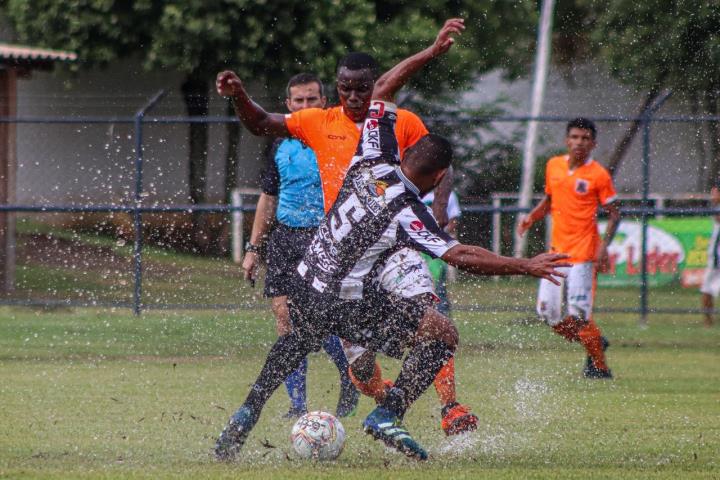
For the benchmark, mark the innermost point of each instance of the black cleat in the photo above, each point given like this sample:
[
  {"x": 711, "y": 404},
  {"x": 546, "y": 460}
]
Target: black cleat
[
  {"x": 295, "y": 413},
  {"x": 234, "y": 435},
  {"x": 597, "y": 373}
]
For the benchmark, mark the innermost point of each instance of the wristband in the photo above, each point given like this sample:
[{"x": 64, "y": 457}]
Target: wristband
[{"x": 251, "y": 248}]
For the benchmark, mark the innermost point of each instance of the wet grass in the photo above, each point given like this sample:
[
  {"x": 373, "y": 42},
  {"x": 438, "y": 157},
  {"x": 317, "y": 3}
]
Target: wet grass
[{"x": 101, "y": 394}]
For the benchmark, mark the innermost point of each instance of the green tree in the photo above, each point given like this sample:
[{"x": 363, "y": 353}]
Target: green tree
[{"x": 673, "y": 44}]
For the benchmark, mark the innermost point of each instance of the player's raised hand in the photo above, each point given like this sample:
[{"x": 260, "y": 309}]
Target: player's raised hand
[
  {"x": 546, "y": 266},
  {"x": 228, "y": 83},
  {"x": 524, "y": 225},
  {"x": 445, "y": 40}
]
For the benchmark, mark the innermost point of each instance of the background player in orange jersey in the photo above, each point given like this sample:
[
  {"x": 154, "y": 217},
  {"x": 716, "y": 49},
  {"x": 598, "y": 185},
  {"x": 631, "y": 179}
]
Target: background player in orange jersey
[
  {"x": 575, "y": 185},
  {"x": 334, "y": 134}
]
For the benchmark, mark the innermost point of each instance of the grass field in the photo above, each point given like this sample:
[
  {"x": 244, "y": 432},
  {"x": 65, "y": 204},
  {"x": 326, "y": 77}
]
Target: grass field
[
  {"x": 92, "y": 393},
  {"x": 101, "y": 394}
]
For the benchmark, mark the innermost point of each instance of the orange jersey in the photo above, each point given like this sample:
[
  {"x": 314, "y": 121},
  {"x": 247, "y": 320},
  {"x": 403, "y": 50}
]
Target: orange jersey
[
  {"x": 574, "y": 199},
  {"x": 334, "y": 138}
]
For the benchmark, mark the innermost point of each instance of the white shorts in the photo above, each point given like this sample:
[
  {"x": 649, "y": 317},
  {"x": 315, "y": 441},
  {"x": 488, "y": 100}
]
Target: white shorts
[
  {"x": 711, "y": 280},
  {"x": 578, "y": 286},
  {"x": 405, "y": 274}
]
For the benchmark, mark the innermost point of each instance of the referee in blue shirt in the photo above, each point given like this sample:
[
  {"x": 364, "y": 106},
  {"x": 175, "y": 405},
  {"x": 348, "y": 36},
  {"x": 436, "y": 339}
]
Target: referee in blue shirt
[{"x": 292, "y": 201}]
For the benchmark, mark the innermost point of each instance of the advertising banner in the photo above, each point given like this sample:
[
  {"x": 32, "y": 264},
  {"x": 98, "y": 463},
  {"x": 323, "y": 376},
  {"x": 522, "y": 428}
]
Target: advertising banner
[{"x": 676, "y": 252}]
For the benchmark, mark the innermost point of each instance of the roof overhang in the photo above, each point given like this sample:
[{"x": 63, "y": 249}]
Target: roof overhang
[{"x": 32, "y": 58}]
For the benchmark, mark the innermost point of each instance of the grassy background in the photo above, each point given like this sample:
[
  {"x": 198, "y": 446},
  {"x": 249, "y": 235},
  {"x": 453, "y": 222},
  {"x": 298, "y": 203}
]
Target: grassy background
[{"x": 101, "y": 394}]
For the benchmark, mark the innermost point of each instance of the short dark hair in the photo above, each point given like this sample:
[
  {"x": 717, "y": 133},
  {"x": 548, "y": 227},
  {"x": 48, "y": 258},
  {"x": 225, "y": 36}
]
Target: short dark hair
[
  {"x": 429, "y": 154},
  {"x": 582, "y": 123},
  {"x": 303, "y": 79},
  {"x": 359, "y": 61}
]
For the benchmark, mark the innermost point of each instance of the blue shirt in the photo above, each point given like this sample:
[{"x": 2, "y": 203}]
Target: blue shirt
[{"x": 292, "y": 175}]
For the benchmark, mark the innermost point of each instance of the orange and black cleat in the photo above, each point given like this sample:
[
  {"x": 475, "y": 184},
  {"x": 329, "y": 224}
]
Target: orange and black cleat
[{"x": 458, "y": 419}]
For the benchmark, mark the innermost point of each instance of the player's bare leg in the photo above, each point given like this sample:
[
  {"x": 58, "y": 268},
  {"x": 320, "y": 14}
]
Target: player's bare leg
[
  {"x": 435, "y": 340},
  {"x": 708, "y": 305}
]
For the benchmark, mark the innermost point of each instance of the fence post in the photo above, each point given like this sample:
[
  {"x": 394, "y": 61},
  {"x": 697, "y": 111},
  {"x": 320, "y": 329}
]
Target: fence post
[
  {"x": 238, "y": 218},
  {"x": 646, "y": 121},
  {"x": 137, "y": 213},
  {"x": 644, "y": 217}
]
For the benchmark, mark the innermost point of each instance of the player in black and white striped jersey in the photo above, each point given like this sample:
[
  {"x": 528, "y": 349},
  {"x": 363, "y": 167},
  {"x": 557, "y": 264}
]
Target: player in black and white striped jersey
[{"x": 377, "y": 211}]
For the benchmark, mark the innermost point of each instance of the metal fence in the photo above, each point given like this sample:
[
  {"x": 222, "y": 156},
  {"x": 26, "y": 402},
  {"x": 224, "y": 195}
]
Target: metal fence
[{"x": 138, "y": 207}]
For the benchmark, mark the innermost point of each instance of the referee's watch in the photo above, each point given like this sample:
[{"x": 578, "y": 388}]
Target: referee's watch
[{"x": 251, "y": 248}]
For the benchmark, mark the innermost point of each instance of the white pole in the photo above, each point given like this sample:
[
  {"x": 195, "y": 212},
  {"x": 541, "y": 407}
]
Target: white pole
[
  {"x": 237, "y": 227},
  {"x": 542, "y": 59}
]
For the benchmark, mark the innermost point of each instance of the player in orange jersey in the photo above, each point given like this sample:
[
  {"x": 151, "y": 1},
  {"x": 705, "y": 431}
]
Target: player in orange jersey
[
  {"x": 575, "y": 185},
  {"x": 334, "y": 134}
]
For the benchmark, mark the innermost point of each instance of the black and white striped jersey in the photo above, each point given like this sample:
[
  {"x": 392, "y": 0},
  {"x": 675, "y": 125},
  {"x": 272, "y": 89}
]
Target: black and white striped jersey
[{"x": 377, "y": 211}]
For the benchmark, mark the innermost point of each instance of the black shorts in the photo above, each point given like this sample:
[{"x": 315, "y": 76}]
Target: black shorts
[
  {"x": 381, "y": 321},
  {"x": 285, "y": 249}
]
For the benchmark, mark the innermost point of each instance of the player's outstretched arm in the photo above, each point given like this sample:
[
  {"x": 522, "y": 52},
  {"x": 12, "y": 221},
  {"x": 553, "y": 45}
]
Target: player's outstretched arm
[
  {"x": 479, "y": 261},
  {"x": 393, "y": 80},
  {"x": 252, "y": 115},
  {"x": 536, "y": 214}
]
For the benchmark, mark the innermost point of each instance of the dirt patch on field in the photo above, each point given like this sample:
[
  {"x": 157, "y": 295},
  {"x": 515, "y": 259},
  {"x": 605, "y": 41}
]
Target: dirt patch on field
[{"x": 50, "y": 251}]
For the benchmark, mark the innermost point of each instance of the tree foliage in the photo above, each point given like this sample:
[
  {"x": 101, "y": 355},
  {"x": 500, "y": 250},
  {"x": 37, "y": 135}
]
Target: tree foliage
[{"x": 672, "y": 44}]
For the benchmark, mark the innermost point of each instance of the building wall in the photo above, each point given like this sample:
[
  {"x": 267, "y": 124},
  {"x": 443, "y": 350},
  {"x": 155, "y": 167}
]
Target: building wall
[{"x": 94, "y": 163}]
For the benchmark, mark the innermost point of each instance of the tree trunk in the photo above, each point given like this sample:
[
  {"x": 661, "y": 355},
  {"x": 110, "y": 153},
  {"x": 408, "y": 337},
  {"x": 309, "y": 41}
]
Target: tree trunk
[
  {"x": 711, "y": 107},
  {"x": 622, "y": 146},
  {"x": 195, "y": 93}
]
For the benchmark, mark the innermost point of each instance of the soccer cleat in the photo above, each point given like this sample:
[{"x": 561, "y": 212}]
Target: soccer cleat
[
  {"x": 234, "y": 434},
  {"x": 348, "y": 401},
  {"x": 590, "y": 371},
  {"x": 597, "y": 373},
  {"x": 384, "y": 425},
  {"x": 458, "y": 419},
  {"x": 294, "y": 413}
]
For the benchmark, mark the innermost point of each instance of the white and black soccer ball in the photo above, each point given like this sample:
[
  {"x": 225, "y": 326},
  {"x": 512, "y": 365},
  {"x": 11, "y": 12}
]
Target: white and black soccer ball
[{"x": 318, "y": 435}]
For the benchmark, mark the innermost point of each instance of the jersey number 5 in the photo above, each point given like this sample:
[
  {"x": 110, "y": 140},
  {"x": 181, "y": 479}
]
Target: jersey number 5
[{"x": 348, "y": 213}]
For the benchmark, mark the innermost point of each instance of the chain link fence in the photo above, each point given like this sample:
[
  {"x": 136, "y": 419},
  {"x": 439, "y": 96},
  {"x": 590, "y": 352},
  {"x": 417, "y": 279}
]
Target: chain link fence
[{"x": 101, "y": 205}]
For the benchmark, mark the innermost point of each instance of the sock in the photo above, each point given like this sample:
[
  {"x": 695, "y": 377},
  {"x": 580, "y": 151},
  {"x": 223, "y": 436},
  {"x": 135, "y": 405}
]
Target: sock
[
  {"x": 445, "y": 383},
  {"x": 333, "y": 347},
  {"x": 285, "y": 356},
  {"x": 568, "y": 328},
  {"x": 295, "y": 384},
  {"x": 418, "y": 371},
  {"x": 590, "y": 337},
  {"x": 374, "y": 387}
]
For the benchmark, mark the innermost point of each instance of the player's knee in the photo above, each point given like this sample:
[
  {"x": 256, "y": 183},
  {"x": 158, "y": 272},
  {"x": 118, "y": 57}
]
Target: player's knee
[
  {"x": 364, "y": 366},
  {"x": 548, "y": 314},
  {"x": 282, "y": 316},
  {"x": 436, "y": 326}
]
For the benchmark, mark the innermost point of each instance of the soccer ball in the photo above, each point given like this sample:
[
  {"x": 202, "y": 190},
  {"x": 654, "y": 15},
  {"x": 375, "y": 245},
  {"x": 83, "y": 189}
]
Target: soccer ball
[{"x": 318, "y": 435}]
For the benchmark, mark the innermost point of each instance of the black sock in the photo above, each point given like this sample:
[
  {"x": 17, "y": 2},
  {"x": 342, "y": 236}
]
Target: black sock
[
  {"x": 418, "y": 372},
  {"x": 284, "y": 357}
]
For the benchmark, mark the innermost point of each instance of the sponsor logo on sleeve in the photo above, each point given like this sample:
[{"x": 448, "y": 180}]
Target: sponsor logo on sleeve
[
  {"x": 417, "y": 225},
  {"x": 419, "y": 228}
]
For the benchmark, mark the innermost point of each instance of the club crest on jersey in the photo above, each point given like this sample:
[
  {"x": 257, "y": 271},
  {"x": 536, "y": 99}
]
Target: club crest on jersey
[
  {"x": 370, "y": 190},
  {"x": 582, "y": 186},
  {"x": 380, "y": 188}
]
